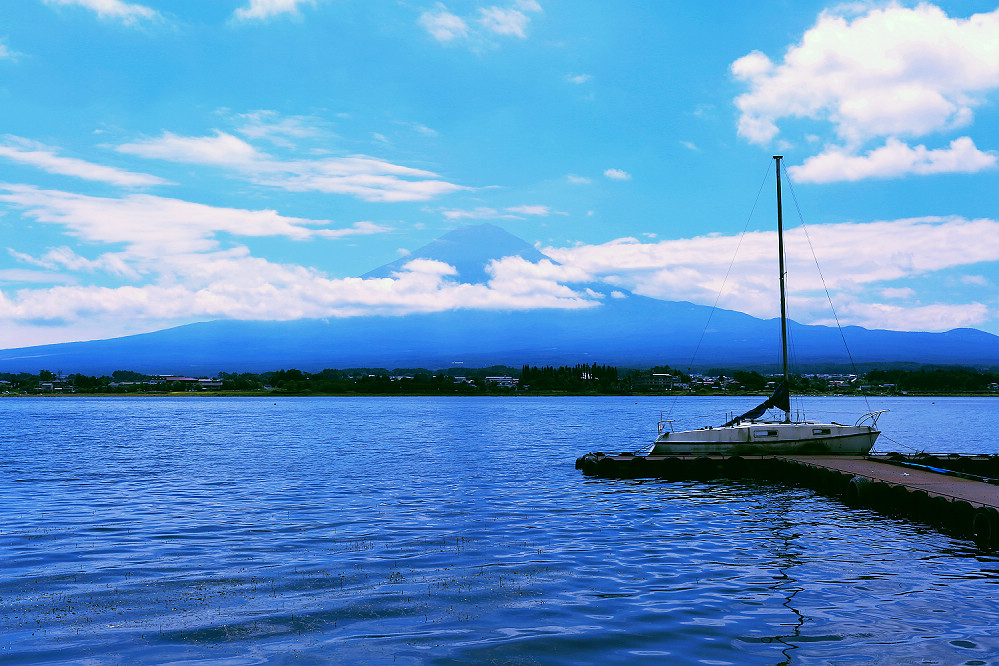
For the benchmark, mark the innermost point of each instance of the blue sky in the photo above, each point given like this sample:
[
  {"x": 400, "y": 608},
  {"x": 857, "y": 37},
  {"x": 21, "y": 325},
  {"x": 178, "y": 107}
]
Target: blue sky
[{"x": 170, "y": 162}]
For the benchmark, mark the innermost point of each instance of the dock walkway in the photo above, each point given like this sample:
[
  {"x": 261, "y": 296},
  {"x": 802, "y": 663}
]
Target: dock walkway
[
  {"x": 934, "y": 484},
  {"x": 959, "y": 494}
]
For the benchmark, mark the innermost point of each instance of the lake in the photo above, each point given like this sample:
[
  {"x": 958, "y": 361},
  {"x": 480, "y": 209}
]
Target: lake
[{"x": 457, "y": 531}]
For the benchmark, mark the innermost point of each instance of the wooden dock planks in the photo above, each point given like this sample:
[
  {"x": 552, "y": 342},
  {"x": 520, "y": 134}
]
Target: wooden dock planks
[
  {"x": 962, "y": 499},
  {"x": 976, "y": 493}
]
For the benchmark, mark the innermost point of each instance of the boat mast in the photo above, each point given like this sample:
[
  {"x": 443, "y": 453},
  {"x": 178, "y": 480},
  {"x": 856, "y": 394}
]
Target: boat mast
[{"x": 783, "y": 298}]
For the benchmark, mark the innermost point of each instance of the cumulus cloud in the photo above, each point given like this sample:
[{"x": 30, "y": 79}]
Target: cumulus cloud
[
  {"x": 264, "y": 9},
  {"x": 617, "y": 174},
  {"x": 45, "y": 158},
  {"x": 182, "y": 261},
  {"x": 892, "y": 160},
  {"x": 890, "y": 71},
  {"x": 853, "y": 259},
  {"x": 179, "y": 261},
  {"x": 364, "y": 177},
  {"x": 250, "y": 288},
  {"x": 577, "y": 78},
  {"x": 236, "y": 285},
  {"x": 127, "y": 13}
]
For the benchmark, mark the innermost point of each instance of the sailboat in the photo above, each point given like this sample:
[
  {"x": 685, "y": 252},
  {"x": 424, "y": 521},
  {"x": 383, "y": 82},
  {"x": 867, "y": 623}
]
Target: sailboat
[{"x": 749, "y": 434}]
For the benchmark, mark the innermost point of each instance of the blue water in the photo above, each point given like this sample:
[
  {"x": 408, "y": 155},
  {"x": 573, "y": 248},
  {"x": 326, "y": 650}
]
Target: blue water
[{"x": 457, "y": 531}]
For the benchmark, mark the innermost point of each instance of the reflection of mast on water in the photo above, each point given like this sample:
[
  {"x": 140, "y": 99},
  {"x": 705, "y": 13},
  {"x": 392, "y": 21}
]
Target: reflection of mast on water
[{"x": 785, "y": 585}]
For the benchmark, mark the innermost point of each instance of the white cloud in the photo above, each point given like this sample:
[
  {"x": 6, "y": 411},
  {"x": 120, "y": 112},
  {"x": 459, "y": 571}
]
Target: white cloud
[
  {"x": 510, "y": 213},
  {"x": 898, "y": 293},
  {"x": 871, "y": 72},
  {"x": 443, "y": 25},
  {"x": 44, "y": 157},
  {"x": 543, "y": 211},
  {"x": 64, "y": 258},
  {"x": 151, "y": 226},
  {"x": 264, "y": 9},
  {"x": 24, "y": 275},
  {"x": 979, "y": 280},
  {"x": 578, "y": 180},
  {"x": 363, "y": 228},
  {"x": 177, "y": 262},
  {"x": 270, "y": 126},
  {"x": 933, "y": 317},
  {"x": 220, "y": 150},
  {"x": 888, "y": 72},
  {"x": 577, "y": 78},
  {"x": 689, "y": 145},
  {"x": 127, "y": 13},
  {"x": 6, "y": 53},
  {"x": 364, "y": 177},
  {"x": 480, "y": 213},
  {"x": 238, "y": 286},
  {"x": 504, "y": 21},
  {"x": 617, "y": 174},
  {"x": 509, "y": 21},
  {"x": 854, "y": 261},
  {"x": 179, "y": 265},
  {"x": 892, "y": 160},
  {"x": 420, "y": 128}
]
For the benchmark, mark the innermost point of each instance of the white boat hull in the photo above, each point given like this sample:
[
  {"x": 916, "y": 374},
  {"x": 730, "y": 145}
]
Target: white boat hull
[{"x": 768, "y": 437}]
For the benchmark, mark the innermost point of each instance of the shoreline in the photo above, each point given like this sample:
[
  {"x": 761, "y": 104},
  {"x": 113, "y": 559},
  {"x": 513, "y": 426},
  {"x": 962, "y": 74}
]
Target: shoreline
[{"x": 524, "y": 394}]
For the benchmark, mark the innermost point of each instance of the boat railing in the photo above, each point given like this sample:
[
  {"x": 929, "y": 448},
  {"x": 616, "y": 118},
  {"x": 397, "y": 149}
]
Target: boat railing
[
  {"x": 872, "y": 416},
  {"x": 663, "y": 423}
]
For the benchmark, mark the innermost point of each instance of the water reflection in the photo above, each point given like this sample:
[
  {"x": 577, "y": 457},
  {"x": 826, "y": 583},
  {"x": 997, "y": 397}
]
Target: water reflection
[{"x": 787, "y": 558}]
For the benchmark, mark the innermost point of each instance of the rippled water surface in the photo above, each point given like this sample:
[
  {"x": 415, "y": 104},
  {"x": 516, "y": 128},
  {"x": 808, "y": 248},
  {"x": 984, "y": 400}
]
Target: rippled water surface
[{"x": 440, "y": 531}]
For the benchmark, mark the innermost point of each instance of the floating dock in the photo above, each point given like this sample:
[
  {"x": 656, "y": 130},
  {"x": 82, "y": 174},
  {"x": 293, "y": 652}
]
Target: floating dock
[{"x": 958, "y": 494}]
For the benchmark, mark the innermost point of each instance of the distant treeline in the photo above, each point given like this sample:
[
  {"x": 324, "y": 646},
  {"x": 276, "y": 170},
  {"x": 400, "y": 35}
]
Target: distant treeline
[
  {"x": 577, "y": 379},
  {"x": 958, "y": 380}
]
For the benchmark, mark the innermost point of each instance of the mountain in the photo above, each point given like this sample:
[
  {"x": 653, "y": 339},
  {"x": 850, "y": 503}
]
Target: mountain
[
  {"x": 634, "y": 331},
  {"x": 469, "y": 249}
]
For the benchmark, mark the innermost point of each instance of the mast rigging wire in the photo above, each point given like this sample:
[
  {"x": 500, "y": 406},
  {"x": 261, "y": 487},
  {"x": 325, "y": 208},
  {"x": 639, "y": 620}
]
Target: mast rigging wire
[
  {"x": 721, "y": 290},
  {"x": 728, "y": 272},
  {"x": 825, "y": 287}
]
